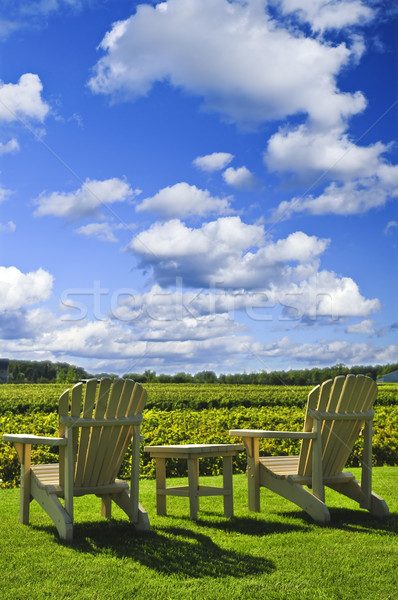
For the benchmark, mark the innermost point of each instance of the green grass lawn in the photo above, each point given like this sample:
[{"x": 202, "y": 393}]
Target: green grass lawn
[{"x": 278, "y": 553}]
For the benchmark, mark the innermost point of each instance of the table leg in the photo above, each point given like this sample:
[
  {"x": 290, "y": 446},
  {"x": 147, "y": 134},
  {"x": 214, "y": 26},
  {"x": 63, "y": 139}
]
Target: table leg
[
  {"x": 160, "y": 469},
  {"x": 253, "y": 472},
  {"x": 227, "y": 485},
  {"x": 193, "y": 482}
]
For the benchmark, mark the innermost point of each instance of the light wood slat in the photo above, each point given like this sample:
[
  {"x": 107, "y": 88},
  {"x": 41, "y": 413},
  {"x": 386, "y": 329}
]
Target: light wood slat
[
  {"x": 108, "y": 435},
  {"x": 332, "y": 404},
  {"x": 27, "y": 438},
  {"x": 367, "y": 392},
  {"x": 95, "y": 432},
  {"x": 110, "y": 472},
  {"x": 88, "y": 407},
  {"x": 202, "y": 490},
  {"x": 362, "y": 415},
  {"x": 126, "y": 409},
  {"x": 335, "y": 442},
  {"x": 343, "y": 428},
  {"x": 315, "y": 398},
  {"x": 80, "y": 422},
  {"x": 194, "y": 450},
  {"x": 63, "y": 410},
  {"x": 75, "y": 409},
  {"x": 281, "y": 465},
  {"x": 137, "y": 402}
]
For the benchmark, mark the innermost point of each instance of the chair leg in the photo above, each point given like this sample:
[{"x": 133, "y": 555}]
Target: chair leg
[
  {"x": 123, "y": 500},
  {"x": 57, "y": 513},
  {"x": 106, "y": 507},
  {"x": 352, "y": 489},
  {"x": 295, "y": 493}
]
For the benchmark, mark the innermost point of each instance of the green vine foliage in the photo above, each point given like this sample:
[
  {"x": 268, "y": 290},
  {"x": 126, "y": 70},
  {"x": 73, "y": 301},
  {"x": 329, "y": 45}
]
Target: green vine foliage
[
  {"x": 207, "y": 426},
  {"x": 43, "y": 398}
]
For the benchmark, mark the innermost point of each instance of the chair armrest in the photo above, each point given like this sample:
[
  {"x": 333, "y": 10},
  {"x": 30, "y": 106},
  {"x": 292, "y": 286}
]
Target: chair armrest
[
  {"x": 26, "y": 438},
  {"x": 261, "y": 433}
]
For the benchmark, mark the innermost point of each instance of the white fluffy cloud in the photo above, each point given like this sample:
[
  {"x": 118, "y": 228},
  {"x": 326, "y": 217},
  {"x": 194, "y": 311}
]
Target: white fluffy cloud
[
  {"x": 350, "y": 198},
  {"x": 367, "y": 327},
  {"x": 102, "y": 231},
  {"x": 213, "y": 162},
  {"x": 328, "y": 353},
  {"x": 8, "y": 227},
  {"x": 327, "y": 14},
  {"x": 240, "y": 178},
  {"x": 85, "y": 201},
  {"x": 225, "y": 252},
  {"x": 183, "y": 200},
  {"x": 232, "y": 54},
  {"x": 323, "y": 294},
  {"x": 246, "y": 269},
  {"x": 4, "y": 193},
  {"x": 10, "y": 146},
  {"x": 306, "y": 150},
  {"x": 22, "y": 99},
  {"x": 19, "y": 290}
]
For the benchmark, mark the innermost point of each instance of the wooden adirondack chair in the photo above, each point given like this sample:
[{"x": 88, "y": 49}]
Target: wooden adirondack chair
[
  {"x": 337, "y": 411},
  {"x": 93, "y": 440}
]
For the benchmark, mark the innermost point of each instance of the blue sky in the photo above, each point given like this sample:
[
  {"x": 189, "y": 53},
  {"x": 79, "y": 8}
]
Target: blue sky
[{"x": 192, "y": 185}]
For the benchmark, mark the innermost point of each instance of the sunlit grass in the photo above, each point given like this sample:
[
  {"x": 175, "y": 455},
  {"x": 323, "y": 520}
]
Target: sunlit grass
[{"x": 276, "y": 554}]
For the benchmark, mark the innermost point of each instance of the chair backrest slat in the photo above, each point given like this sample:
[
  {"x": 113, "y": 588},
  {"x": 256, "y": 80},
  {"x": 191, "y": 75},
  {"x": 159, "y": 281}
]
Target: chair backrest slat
[
  {"x": 344, "y": 394},
  {"x": 88, "y": 407},
  {"x": 75, "y": 408},
  {"x": 119, "y": 433},
  {"x": 95, "y": 432},
  {"x": 99, "y": 449},
  {"x": 362, "y": 397},
  {"x": 63, "y": 411},
  {"x": 136, "y": 405},
  {"x": 106, "y": 437}
]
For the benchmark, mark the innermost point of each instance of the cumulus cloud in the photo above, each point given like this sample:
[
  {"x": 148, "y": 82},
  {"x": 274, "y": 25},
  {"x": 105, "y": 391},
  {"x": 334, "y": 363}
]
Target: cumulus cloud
[
  {"x": 19, "y": 290},
  {"x": 85, "y": 201},
  {"x": 183, "y": 200},
  {"x": 227, "y": 252},
  {"x": 213, "y": 162},
  {"x": 4, "y": 193},
  {"x": 240, "y": 178},
  {"x": 324, "y": 14},
  {"x": 23, "y": 99},
  {"x": 350, "y": 198},
  {"x": 235, "y": 56},
  {"x": 11, "y": 146},
  {"x": 310, "y": 151},
  {"x": 8, "y": 227},
  {"x": 328, "y": 353},
  {"x": 366, "y": 327},
  {"x": 323, "y": 294},
  {"x": 102, "y": 231}
]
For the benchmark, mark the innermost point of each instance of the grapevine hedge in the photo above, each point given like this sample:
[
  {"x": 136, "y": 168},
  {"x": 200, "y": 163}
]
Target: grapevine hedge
[
  {"x": 204, "y": 426},
  {"x": 43, "y": 398}
]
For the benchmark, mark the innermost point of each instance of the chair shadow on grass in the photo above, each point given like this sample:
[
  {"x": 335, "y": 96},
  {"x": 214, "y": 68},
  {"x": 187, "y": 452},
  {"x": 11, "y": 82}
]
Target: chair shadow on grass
[
  {"x": 341, "y": 518},
  {"x": 349, "y": 519},
  {"x": 167, "y": 550}
]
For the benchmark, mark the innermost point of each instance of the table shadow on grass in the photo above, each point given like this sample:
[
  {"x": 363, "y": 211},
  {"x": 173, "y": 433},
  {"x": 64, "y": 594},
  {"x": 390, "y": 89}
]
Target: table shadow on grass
[
  {"x": 167, "y": 550},
  {"x": 252, "y": 526}
]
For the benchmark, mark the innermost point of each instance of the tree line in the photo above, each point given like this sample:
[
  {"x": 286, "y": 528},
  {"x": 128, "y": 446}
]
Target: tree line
[
  {"x": 25, "y": 371},
  {"x": 292, "y": 377}
]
